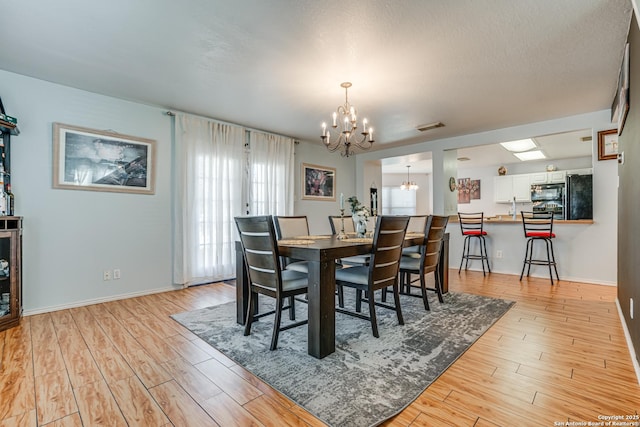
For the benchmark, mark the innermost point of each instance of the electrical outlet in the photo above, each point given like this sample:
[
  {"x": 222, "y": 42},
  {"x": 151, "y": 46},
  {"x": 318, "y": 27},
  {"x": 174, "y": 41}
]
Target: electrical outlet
[
  {"x": 116, "y": 273},
  {"x": 106, "y": 275},
  {"x": 498, "y": 254}
]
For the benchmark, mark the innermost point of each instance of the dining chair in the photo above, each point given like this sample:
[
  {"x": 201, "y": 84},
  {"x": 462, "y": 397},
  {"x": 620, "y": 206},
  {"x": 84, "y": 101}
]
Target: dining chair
[
  {"x": 427, "y": 262},
  {"x": 265, "y": 273},
  {"x": 336, "y": 226},
  {"x": 288, "y": 227},
  {"x": 381, "y": 272},
  {"x": 416, "y": 225}
]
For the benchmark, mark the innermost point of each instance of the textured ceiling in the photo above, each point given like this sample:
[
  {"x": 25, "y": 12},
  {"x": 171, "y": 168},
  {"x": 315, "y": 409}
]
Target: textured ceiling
[{"x": 277, "y": 65}]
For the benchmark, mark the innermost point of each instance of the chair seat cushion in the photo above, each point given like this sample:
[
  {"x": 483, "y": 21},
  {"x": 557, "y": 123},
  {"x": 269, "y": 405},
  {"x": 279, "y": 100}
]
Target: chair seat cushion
[
  {"x": 358, "y": 275},
  {"x": 301, "y": 266},
  {"x": 356, "y": 260},
  {"x": 411, "y": 251},
  {"x": 292, "y": 280},
  {"x": 409, "y": 263},
  {"x": 540, "y": 234},
  {"x": 474, "y": 233}
]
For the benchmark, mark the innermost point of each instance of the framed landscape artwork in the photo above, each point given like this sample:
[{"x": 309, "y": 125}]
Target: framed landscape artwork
[
  {"x": 608, "y": 144},
  {"x": 88, "y": 159},
  {"x": 318, "y": 183}
]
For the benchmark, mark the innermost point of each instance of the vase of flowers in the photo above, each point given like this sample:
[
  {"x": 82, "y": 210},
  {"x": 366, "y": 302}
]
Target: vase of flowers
[{"x": 360, "y": 215}]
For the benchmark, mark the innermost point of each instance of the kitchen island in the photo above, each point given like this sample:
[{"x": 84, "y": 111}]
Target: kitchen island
[{"x": 582, "y": 254}]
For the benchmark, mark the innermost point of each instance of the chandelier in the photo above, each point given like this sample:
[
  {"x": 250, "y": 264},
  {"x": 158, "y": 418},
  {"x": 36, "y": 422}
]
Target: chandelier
[
  {"x": 346, "y": 138},
  {"x": 408, "y": 184}
]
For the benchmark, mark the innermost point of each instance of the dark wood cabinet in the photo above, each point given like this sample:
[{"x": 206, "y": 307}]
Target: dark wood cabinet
[
  {"x": 10, "y": 243},
  {"x": 10, "y": 271}
]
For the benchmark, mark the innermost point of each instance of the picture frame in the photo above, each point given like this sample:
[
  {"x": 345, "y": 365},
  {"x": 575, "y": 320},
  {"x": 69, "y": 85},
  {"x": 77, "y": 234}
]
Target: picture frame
[
  {"x": 95, "y": 160},
  {"x": 620, "y": 105},
  {"x": 608, "y": 144},
  {"x": 318, "y": 183}
]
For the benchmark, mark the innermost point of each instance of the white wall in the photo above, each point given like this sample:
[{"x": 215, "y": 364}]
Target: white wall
[
  {"x": 588, "y": 253},
  {"x": 71, "y": 236}
]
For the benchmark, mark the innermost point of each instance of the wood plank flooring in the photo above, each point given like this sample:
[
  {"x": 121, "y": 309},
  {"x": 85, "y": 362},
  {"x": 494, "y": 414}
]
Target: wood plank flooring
[{"x": 558, "y": 355}]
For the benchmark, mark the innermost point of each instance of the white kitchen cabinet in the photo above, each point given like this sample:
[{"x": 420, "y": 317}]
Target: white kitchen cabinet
[
  {"x": 587, "y": 171},
  {"x": 503, "y": 189},
  {"x": 547, "y": 177},
  {"x": 556, "y": 177},
  {"x": 522, "y": 187},
  {"x": 510, "y": 186},
  {"x": 539, "y": 178}
]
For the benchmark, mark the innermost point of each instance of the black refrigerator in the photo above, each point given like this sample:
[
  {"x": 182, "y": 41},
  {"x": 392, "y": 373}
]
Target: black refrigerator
[{"x": 579, "y": 197}]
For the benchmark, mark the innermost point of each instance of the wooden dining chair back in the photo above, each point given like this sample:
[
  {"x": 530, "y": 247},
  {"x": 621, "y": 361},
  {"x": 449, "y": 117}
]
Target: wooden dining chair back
[
  {"x": 538, "y": 227},
  {"x": 381, "y": 272},
  {"x": 472, "y": 227},
  {"x": 429, "y": 251},
  {"x": 288, "y": 227},
  {"x": 417, "y": 224},
  {"x": 336, "y": 224},
  {"x": 266, "y": 277}
]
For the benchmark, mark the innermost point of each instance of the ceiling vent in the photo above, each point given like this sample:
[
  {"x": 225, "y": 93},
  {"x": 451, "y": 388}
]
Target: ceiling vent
[
  {"x": 585, "y": 139},
  {"x": 423, "y": 128}
]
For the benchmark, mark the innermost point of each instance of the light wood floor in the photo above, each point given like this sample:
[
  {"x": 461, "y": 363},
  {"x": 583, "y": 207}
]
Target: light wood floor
[{"x": 558, "y": 355}]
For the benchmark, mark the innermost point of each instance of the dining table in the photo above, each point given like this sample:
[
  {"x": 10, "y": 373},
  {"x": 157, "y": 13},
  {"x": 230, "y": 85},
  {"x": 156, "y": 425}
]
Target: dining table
[{"x": 321, "y": 252}]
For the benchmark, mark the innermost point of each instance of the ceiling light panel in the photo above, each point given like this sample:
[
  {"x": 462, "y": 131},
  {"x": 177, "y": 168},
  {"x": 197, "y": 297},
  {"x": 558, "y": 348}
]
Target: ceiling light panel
[
  {"x": 530, "y": 155},
  {"x": 519, "y": 145}
]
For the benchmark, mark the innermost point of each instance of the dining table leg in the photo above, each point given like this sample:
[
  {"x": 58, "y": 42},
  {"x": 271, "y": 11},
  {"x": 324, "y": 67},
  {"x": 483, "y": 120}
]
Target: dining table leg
[{"x": 322, "y": 314}]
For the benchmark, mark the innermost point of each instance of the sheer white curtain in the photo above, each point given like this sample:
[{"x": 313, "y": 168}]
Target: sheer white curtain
[
  {"x": 271, "y": 174},
  {"x": 209, "y": 169}
]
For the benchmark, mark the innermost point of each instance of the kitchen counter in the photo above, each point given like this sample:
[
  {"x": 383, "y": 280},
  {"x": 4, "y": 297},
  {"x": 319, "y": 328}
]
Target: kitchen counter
[{"x": 507, "y": 219}]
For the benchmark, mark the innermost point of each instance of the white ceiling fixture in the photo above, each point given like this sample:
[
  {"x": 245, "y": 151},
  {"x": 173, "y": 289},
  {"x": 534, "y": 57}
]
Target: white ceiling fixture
[
  {"x": 530, "y": 155},
  {"x": 519, "y": 145},
  {"x": 408, "y": 184},
  {"x": 424, "y": 128},
  {"x": 348, "y": 126}
]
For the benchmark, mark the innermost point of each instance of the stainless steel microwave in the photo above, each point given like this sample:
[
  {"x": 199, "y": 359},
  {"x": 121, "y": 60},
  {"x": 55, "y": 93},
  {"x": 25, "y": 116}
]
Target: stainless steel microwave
[{"x": 547, "y": 192}]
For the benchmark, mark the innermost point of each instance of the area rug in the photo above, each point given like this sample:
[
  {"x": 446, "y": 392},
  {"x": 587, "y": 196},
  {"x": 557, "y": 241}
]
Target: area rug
[{"x": 367, "y": 380}]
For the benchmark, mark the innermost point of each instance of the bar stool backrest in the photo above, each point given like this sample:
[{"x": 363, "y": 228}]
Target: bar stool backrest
[
  {"x": 471, "y": 223},
  {"x": 537, "y": 224}
]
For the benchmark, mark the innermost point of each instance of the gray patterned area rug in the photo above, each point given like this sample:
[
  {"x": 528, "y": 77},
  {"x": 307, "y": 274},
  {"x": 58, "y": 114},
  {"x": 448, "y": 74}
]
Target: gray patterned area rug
[{"x": 367, "y": 380}]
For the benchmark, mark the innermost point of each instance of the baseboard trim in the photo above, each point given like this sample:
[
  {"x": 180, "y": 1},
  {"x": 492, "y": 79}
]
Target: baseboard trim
[
  {"x": 542, "y": 276},
  {"x": 99, "y": 300},
  {"x": 627, "y": 335}
]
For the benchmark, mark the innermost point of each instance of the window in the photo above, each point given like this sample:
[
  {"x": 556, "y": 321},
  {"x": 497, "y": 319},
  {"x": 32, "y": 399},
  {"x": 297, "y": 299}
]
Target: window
[{"x": 398, "y": 202}]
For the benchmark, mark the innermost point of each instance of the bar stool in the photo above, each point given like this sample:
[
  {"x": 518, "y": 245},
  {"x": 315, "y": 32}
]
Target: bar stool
[
  {"x": 471, "y": 225},
  {"x": 538, "y": 226}
]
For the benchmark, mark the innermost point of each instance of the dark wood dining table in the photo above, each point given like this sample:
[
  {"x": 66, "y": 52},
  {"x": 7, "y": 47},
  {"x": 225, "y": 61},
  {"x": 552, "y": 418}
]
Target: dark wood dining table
[{"x": 321, "y": 254}]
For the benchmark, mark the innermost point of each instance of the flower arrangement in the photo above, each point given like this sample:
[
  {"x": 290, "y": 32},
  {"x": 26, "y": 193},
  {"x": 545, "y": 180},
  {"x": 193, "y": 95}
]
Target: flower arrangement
[
  {"x": 360, "y": 215},
  {"x": 357, "y": 208}
]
